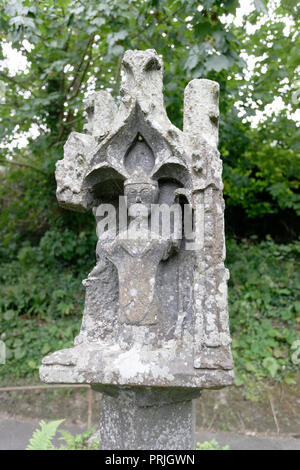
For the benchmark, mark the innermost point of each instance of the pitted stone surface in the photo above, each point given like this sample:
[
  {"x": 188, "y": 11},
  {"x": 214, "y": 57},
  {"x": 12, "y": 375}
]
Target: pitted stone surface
[
  {"x": 156, "y": 308},
  {"x": 184, "y": 294},
  {"x": 169, "y": 425}
]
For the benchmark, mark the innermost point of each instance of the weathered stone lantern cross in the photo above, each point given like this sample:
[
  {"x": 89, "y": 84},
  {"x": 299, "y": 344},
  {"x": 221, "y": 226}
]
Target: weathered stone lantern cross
[{"x": 155, "y": 323}]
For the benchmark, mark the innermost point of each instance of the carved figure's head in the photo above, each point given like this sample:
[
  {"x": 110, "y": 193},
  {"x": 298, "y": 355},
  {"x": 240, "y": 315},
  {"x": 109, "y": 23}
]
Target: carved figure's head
[{"x": 141, "y": 189}]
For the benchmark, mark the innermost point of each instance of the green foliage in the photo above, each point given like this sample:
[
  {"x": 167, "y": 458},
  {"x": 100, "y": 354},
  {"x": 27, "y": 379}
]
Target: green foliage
[
  {"x": 27, "y": 340},
  {"x": 265, "y": 178},
  {"x": 41, "y": 310},
  {"x": 261, "y": 165},
  {"x": 79, "y": 441},
  {"x": 72, "y": 48},
  {"x": 264, "y": 309},
  {"x": 39, "y": 292},
  {"x": 41, "y": 302},
  {"x": 211, "y": 445},
  {"x": 42, "y": 438},
  {"x": 71, "y": 41}
]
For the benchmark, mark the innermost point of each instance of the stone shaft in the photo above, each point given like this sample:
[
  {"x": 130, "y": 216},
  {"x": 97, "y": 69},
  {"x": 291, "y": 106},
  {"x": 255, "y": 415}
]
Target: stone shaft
[{"x": 131, "y": 421}]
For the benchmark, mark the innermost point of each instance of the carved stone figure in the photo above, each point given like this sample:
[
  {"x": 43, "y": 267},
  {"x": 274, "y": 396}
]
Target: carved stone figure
[
  {"x": 155, "y": 326},
  {"x": 136, "y": 253}
]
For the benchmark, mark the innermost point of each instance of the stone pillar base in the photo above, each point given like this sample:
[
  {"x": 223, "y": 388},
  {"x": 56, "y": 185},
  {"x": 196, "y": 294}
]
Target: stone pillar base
[{"x": 140, "y": 418}]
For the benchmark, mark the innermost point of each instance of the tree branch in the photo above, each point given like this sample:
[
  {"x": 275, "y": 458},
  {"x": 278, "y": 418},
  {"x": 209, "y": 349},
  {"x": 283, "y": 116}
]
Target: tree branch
[
  {"x": 118, "y": 73},
  {"x": 26, "y": 165},
  {"x": 13, "y": 80},
  {"x": 79, "y": 83},
  {"x": 78, "y": 68}
]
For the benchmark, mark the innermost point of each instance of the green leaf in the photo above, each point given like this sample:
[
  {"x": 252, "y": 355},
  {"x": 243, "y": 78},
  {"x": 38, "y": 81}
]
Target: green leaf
[
  {"x": 290, "y": 379},
  {"x": 297, "y": 306},
  {"x": 296, "y": 354},
  {"x": 271, "y": 365},
  {"x": 41, "y": 439},
  {"x": 19, "y": 353},
  {"x": 238, "y": 381},
  {"x": 217, "y": 63},
  {"x": 115, "y": 37},
  {"x": 249, "y": 366},
  {"x": 32, "y": 364},
  {"x": 98, "y": 21},
  {"x": 260, "y": 6},
  {"x": 9, "y": 315},
  {"x": 46, "y": 348}
]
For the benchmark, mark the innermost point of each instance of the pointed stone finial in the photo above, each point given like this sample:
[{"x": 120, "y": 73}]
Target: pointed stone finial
[{"x": 142, "y": 79}]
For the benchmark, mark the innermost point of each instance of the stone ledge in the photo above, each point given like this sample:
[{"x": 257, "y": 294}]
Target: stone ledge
[{"x": 108, "y": 365}]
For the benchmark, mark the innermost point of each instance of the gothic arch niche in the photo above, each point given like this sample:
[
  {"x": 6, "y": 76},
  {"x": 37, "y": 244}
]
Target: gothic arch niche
[
  {"x": 139, "y": 156},
  {"x": 175, "y": 172},
  {"x": 104, "y": 182}
]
